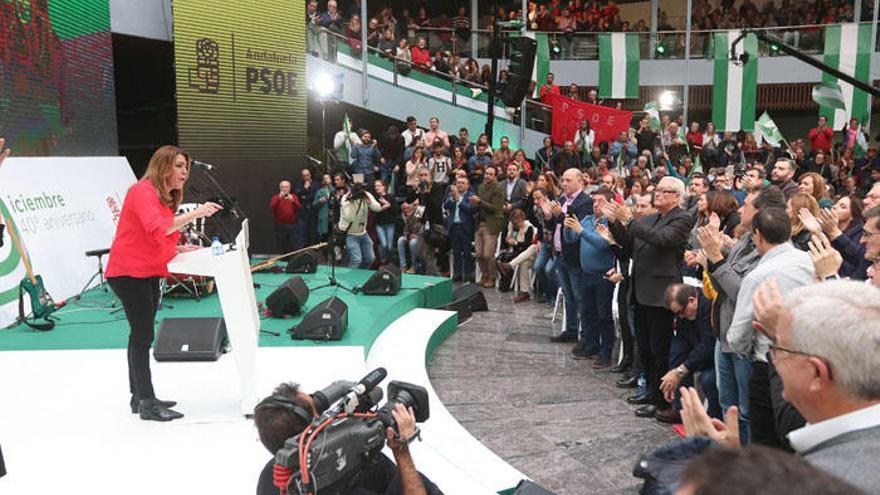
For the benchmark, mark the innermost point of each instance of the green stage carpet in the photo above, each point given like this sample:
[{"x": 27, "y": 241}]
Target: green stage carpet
[{"x": 86, "y": 325}]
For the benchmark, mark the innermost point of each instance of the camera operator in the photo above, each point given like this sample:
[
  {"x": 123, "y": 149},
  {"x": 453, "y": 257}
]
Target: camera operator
[
  {"x": 354, "y": 208},
  {"x": 433, "y": 238},
  {"x": 275, "y": 424}
]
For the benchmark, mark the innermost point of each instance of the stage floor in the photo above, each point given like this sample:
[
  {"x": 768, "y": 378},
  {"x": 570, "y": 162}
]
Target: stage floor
[
  {"x": 65, "y": 423},
  {"x": 87, "y": 324}
]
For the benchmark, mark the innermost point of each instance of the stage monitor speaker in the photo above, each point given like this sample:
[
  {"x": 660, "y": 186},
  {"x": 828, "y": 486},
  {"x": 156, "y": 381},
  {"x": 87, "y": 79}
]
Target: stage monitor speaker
[
  {"x": 326, "y": 321},
  {"x": 306, "y": 262},
  {"x": 289, "y": 299},
  {"x": 472, "y": 295},
  {"x": 462, "y": 308},
  {"x": 522, "y": 59},
  {"x": 190, "y": 339},
  {"x": 385, "y": 282},
  {"x": 526, "y": 487}
]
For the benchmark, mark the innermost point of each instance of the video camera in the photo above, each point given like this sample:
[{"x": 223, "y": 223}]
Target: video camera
[
  {"x": 358, "y": 189},
  {"x": 348, "y": 435}
]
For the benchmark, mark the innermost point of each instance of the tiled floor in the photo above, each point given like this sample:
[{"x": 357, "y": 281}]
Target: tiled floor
[{"x": 555, "y": 419}]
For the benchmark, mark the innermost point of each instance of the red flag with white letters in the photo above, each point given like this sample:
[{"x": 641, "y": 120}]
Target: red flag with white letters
[{"x": 568, "y": 113}]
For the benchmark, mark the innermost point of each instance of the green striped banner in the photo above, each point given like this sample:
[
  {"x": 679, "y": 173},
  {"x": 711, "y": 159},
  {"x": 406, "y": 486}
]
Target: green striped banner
[
  {"x": 735, "y": 87},
  {"x": 848, "y": 49},
  {"x": 618, "y": 65}
]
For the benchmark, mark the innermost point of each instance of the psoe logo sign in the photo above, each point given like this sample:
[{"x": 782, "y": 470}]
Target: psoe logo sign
[{"x": 205, "y": 76}]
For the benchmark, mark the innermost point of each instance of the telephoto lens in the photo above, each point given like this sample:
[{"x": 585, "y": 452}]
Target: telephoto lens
[{"x": 408, "y": 395}]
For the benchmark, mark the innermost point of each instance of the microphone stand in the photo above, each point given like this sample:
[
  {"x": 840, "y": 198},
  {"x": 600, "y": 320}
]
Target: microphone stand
[
  {"x": 236, "y": 211},
  {"x": 332, "y": 255}
]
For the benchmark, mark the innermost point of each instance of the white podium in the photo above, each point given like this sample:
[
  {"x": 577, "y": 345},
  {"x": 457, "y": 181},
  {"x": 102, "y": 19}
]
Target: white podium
[{"x": 235, "y": 286}]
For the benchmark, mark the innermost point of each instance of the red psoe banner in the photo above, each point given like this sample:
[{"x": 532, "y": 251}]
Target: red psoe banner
[{"x": 568, "y": 114}]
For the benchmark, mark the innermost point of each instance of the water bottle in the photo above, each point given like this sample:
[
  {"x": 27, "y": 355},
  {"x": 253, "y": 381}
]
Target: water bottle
[{"x": 216, "y": 246}]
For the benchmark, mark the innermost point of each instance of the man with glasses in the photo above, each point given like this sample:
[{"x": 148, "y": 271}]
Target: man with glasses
[
  {"x": 825, "y": 348},
  {"x": 657, "y": 243},
  {"x": 791, "y": 268}
]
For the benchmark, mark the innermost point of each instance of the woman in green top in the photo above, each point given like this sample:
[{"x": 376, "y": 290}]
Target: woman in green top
[{"x": 322, "y": 204}]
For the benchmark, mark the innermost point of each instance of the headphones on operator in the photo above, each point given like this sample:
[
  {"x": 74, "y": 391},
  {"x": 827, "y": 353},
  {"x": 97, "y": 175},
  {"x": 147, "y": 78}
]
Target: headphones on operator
[{"x": 288, "y": 405}]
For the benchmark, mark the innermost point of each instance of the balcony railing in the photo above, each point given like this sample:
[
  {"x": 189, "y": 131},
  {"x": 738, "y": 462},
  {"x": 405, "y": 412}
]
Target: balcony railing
[
  {"x": 329, "y": 45},
  {"x": 661, "y": 45}
]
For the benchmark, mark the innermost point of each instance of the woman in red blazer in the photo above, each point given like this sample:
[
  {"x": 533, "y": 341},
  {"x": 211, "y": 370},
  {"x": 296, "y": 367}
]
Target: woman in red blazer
[{"x": 146, "y": 240}]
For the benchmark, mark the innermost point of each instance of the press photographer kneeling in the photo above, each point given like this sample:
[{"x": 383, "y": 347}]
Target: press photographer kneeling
[{"x": 338, "y": 433}]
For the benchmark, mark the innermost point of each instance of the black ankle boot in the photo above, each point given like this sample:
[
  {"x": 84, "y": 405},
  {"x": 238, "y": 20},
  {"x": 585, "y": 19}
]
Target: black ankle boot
[
  {"x": 151, "y": 410},
  {"x": 134, "y": 403}
]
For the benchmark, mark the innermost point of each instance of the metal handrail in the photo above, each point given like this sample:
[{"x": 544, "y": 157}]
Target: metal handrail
[{"x": 456, "y": 81}]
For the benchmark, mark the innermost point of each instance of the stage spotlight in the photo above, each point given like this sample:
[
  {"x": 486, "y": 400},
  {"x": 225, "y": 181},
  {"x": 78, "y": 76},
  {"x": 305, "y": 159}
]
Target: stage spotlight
[
  {"x": 324, "y": 85},
  {"x": 666, "y": 100}
]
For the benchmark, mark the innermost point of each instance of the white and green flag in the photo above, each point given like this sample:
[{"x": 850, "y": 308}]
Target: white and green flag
[
  {"x": 618, "y": 65},
  {"x": 345, "y": 152},
  {"x": 768, "y": 130},
  {"x": 653, "y": 114},
  {"x": 848, "y": 49},
  {"x": 861, "y": 147},
  {"x": 542, "y": 60},
  {"x": 735, "y": 88}
]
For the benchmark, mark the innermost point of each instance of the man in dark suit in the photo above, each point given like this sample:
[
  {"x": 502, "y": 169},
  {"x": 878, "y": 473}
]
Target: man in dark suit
[
  {"x": 565, "y": 159},
  {"x": 568, "y": 270},
  {"x": 515, "y": 189},
  {"x": 657, "y": 243},
  {"x": 306, "y": 189},
  {"x": 461, "y": 225}
]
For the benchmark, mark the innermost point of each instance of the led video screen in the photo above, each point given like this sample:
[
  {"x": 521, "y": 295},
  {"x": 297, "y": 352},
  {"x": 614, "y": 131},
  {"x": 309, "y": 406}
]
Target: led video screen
[{"x": 57, "y": 93}]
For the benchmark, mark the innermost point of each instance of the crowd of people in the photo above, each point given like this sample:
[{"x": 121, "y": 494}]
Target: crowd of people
[{"x": 738, "y": 219}]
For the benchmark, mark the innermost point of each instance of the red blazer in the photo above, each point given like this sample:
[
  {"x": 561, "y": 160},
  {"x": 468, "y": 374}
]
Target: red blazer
[{"x": 141, "y": 248}]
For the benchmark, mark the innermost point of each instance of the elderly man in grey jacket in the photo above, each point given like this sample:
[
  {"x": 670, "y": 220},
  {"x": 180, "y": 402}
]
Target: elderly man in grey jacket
[
  {"x": 727, "y": 273},
  {"x": 827, "y": 352}
]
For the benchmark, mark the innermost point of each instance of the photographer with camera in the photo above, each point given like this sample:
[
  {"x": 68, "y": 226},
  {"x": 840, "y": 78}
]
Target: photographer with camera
[
  {"x": 287, "y": 413},
  {"x": 354, "y": 207},
  {"x": 428, "y": 200},
  {"x": 285, "y": 206}
]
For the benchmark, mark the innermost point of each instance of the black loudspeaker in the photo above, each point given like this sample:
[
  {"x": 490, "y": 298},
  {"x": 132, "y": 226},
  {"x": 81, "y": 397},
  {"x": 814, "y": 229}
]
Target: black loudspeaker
[
  {"x": 326, "y": 321},
  {"x": 526, "y": 487},
  {"x": 190, "y": 339},
  {"x": 306, "y": 262},
  {"x": 385, "y": 282},
  {"x": 472, "y": 295},
  {"x": 462, "y": 308},
  {"x": 522, "y": 60},
  {"x": 289, "y": 299}
]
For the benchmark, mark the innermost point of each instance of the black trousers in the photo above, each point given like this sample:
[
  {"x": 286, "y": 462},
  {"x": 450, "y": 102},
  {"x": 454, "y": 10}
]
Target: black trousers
[
  {"x": 653, "y": 339},
  {"x": 140, "y": 299},
  {"x": 627, "y": 341},
  {"x": 285, "y": 236},
  {"x": 761, "y": 407}
]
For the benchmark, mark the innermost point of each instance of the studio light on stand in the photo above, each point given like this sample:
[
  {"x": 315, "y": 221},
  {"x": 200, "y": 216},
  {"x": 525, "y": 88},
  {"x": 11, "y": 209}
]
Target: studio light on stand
[{"x": 326, "y": 87}]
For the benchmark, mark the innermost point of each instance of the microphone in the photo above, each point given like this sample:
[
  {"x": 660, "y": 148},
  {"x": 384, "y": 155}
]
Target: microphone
[
  {"x": 331, "y": 393},
  {"x": 350, "y": 402},
  {"x": 203, "y": 165}
]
